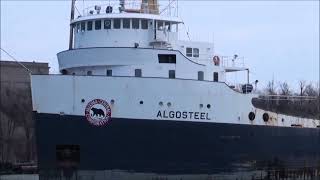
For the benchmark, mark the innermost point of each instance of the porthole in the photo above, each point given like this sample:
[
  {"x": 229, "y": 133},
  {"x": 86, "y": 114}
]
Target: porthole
[
  {"x": 201, "y": 105},
  {"x": 82, "y": 100},
  {"x": 160, "y": 103},
  {"x": 112, "y": 101},
  {"x": 141, "y": 102},
  {"x": 169, "y": 104},
  {"x": 208, "y": 106},
  {"x": 265, "y": 117},
  {"x": 252, "y": 116}
]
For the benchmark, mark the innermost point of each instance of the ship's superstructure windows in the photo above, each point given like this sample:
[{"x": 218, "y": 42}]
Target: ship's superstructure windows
[
  {"x": 135, "y": 23},
  {"x": 89, "y": 73},
  {"x": 109, "y": 72},
  {"x": 78, "y": 27},
  {"x": 137, "y": 72},
  {"x": 160, "y": 25},
  {"x": 107, "y": 24},
  {"x": 97, "y": 24},
  {"x": 200, "y": 75},
  {"x": 89, "y": 25},
  {"x": 215, "y": 77},
  {"x": 126, "y": 23},
  {"x": 144, "y": 24},
  {"x": 189, "y": 52},
  {"x": 167, "y": 26},
  {"x": 195, "y": 52},
  {"x": 83, "y": 26},
  {"x": 116, "y": 23},
  {"x": 172, "y": 74},
  {"x": 167, "y": 58}
]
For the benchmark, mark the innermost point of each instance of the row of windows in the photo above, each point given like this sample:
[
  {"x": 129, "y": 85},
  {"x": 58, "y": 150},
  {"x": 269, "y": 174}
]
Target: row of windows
[
  {"x": 109, "y": 23},
  {"x": 172, "y": 74},
  {"x": 192, "y": 52}
]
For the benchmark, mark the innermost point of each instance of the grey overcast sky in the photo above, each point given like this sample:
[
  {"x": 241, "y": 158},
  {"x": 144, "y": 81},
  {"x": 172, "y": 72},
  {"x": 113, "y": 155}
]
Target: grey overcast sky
[{"x": 278, "y": 39}]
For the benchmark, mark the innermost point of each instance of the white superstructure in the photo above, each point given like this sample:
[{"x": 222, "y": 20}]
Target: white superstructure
[{"x": 133, "y": 59}]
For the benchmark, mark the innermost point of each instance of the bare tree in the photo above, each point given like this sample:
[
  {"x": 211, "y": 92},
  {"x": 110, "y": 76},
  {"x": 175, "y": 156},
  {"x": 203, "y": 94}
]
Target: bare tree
[
  {"x": 271, "y": 88},
  {"x": 284, "y": 89},
  {"x": 302, "y": 85},
  {"x": 311, "y": 90}
]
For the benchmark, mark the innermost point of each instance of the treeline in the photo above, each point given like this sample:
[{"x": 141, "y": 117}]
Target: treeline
[{"x": 281, "y": 98}]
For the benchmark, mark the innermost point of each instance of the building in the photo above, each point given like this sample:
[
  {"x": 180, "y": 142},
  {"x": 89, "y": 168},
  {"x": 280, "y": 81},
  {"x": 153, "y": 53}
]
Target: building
[{"x": 16, "y": 123}]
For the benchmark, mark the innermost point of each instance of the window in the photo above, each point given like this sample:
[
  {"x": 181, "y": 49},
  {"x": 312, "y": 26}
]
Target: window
[
  {"x": 126, "y": 23},
  {"x": 109, "y": 72},
  {"x": 78, "y": 27},
  {"x": 97, "y": 25},
  {"x": 89, "y": 26},
  {"x": 107, "y": 24},
  {"x": 135, "y": 23},
  {"x": 200, "y": 75},
  {"x": 195, "y": 52},
  {"x": 83, "y": 26},
  {"x": 172, "y": 74},
  {"x": 137, "y": 73},
  {"x": 144, "y": 24},
  {"x": 167, "y": 26},
  {"x": 89, "y": 73},
  {"x": 215, "y": 77},
  {"x": 160, "y": 25},
  {"x": 167, "y": 58},
  {"x": 116, "y": 23},
  {"x": 189, "y": 52}
]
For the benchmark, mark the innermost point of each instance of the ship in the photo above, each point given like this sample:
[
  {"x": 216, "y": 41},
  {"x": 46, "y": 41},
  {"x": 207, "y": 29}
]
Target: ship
[{"x": 132, "y": 101}]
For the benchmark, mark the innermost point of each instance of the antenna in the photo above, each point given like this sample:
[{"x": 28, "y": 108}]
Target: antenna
[{"x": 213, "y": 43}]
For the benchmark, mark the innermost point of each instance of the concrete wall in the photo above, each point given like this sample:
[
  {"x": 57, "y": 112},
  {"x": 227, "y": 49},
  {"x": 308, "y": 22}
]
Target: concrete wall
[{"x": 17, "y": 140}]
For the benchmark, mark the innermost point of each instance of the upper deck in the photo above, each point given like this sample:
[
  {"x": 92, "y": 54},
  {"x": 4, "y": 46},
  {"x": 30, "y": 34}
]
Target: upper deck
[{"x": 130, "y": 9}]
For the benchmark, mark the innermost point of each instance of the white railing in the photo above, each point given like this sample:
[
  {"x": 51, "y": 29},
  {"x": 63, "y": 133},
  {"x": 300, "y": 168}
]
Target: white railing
[
  {"x": 131, "y": 6},
  {"x": 288, "y": 98},
  {"x": 232, "y": 61}
]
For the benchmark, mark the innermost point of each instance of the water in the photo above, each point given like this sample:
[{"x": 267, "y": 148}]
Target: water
[{"x": 20, "y": 177}]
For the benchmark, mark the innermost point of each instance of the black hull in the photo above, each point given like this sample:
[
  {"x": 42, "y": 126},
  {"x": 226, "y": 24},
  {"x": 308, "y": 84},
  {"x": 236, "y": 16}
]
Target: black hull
[{"x": 175, "y": 147}]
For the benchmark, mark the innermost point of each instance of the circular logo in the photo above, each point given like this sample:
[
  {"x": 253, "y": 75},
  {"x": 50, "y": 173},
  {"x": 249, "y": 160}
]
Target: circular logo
[{"x": 98, "y": 112}]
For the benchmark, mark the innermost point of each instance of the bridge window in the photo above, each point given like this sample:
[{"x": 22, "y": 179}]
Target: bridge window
[
  {"x": 189, "y": 52},
  {"x": 89, "y": 73},
  {"x": 172, "y": 74},
  {"x": 97, "y": 25},
  {"x": 215, "y": 77},
  {"x": 78, "y": 27},
  {"x": 144, "y": 24},
  {"x": 167, "y": 58},
  {"x": 160, "y": 25},
  {"x": 89, "y": 26},
  {"x": 137, "y": 72},
  {"x": 126, "y": 23},
  {"x": 107, "y": 24},
  {"x": 200, "y": 75},
  {"x": 83, "y": 26},
  {"x": 109, "y": 72},
  {"x": 167, "y": 26},
  {"x": 135, "y": 23},
  {"x": 195, "y": 52},
  {"x": 116, "y": 23}
]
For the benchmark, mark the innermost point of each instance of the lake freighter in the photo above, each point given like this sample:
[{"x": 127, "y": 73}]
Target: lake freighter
[{"x": 134, "y": 102}]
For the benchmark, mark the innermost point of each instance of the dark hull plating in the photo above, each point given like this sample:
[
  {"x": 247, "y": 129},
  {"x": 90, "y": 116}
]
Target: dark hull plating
[{"x": 173, "y": 147}]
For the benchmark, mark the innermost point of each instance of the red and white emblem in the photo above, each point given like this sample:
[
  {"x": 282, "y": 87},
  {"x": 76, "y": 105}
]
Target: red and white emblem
[{"x": 98, "y": 112}]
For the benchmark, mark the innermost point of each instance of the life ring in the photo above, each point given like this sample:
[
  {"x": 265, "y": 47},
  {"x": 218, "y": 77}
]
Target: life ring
[{"x": 216, "y": 60}]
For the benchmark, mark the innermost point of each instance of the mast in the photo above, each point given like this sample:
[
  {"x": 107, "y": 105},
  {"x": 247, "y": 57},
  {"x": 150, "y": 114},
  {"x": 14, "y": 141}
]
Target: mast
[{"x": 71, "y": 28}]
